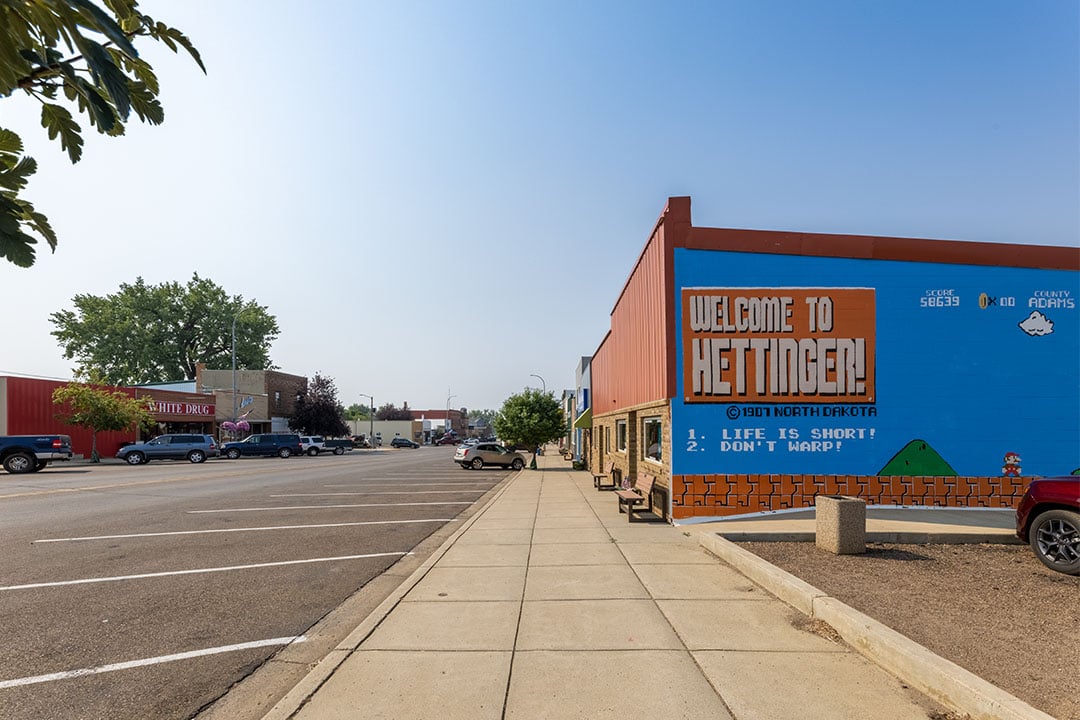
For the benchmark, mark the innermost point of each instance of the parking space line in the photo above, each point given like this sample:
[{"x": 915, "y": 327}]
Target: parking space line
[
  {"x": 171, "y": 573},
  {"x": 69, "y": 674},
  {"x": 381, "y": 492},
  {"x": 247, "y": 529},
  {"x": 322, "y": 507}
]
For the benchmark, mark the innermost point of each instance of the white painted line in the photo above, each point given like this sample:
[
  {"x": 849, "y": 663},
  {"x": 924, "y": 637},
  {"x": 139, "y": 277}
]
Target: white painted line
[
  {"x": 321, "y": 507},
  {"x": 387, "y": 484},
  {"x": 247, "y": 529},
  {"x": 69, "y": 674},
  {"x": 170, "y": 573},
  {"x": 381, "y": 492}
]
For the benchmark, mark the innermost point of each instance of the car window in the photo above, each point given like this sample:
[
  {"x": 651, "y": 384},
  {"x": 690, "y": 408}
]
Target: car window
[{"x": 159, "y": 441}]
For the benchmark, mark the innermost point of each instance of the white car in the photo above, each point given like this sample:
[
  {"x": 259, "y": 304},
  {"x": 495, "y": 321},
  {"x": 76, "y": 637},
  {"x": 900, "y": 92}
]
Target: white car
[{"x": 312, "y": 444}]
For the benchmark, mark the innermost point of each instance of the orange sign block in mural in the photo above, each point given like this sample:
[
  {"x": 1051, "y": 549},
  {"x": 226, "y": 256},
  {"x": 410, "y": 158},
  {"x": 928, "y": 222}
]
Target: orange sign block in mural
[{"x": 778, "y": 345}]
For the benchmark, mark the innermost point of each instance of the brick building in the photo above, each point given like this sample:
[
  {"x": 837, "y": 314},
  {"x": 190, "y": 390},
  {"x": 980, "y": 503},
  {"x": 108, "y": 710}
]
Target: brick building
[{"x": 750, "y": 370}]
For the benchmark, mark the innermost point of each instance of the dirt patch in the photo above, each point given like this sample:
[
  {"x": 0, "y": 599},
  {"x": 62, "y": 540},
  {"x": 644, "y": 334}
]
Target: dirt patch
[{"x": 991, "y": 609}]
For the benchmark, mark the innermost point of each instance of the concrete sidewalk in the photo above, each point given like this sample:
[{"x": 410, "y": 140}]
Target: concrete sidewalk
[{"x": 549, "y": 604}]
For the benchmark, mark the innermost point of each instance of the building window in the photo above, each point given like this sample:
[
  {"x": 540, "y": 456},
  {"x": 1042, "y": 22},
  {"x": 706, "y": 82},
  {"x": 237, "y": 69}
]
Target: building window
[
  {"x": 620, "y": 436},
  {"x": 277, "y": 399},
  {"x": 607, "y": 438},
  {"x": 653, "y": 438}
]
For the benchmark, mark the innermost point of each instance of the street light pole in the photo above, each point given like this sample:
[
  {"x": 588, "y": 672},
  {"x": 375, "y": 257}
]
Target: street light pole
[
  {"x": 371, "y": 420},
  {"x": 544, "y": 384},
  {"x": 234, "y": 410},
  {"x": 448, "y": 399}
]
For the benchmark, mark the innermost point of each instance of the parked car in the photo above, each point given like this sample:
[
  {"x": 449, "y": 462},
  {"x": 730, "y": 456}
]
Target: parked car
[
  {"x": 1048, "y": 519},
  {"x": 312, "y": 444},
  {"x": 477, "y": 456},
  {"x": 447, "y": 440},
  {"x": 30, "y": 453},
  {"x": 193, "y": 448},
  {"x": 400, "y": 442},
  {"x": 263, "y": 444}
]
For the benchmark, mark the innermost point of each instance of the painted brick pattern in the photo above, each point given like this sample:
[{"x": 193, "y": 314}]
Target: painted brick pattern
[{"x": 723, "y": 495}]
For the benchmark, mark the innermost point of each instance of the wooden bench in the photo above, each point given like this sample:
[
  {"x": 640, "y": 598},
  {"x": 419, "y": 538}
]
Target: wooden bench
[
  {"x": 599, "y": 484},
  {"x": 641, "y": 492}
]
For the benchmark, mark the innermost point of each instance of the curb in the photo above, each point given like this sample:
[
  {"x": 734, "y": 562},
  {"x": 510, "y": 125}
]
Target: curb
[
  {"x": 295, "y": 699},
  {"x": 943, "y": 680},
  {"x": 898, "y": 537}
]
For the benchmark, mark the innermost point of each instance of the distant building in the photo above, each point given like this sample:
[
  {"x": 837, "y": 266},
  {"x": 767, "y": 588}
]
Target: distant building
[{"x": 265, "y": 399}]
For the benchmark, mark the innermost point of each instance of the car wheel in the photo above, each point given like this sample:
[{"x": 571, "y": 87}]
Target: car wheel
[
  {"x": 196, "y": 456},
  {"x": 311, "y": 451},
  {"x": 20, "y": 463},
  {"x": 517, "y": 464},
  {"x": 1055, "y": 539},
  {"x": 135, "y": 458},
  {"x": 284, "y": 452},
  {"x": 339, "y": 451},
  {"x": 232, "y": 453},
  {"x": 477, "y": 463}
]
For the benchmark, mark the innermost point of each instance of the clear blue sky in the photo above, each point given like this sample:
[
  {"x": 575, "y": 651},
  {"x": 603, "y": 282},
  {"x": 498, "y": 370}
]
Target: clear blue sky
[{"x": 434, "y": 195}]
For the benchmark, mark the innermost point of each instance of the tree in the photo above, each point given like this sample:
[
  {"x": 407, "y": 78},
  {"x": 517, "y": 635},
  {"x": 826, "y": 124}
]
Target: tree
[
  {"x": 318, "y": 411},
  {"x": 157, "y": 333},
  {"x": 91, "y": 406},
  {"x": 74, "y": 47},
  {"x": 530, "y": 419},
  {"x": 390, "y": 412},
  {"x": 356, "y": 411}
]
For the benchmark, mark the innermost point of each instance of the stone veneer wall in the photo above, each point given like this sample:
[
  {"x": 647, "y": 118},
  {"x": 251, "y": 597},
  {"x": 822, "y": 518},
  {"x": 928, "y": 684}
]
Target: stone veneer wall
[{"x": 628, "y": 464}]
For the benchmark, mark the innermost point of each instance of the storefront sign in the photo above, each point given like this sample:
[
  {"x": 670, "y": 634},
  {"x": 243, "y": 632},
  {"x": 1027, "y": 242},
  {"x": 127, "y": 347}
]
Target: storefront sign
[
  {"x": 789, "y": 345},
  {"x": 160, "y": 407}
]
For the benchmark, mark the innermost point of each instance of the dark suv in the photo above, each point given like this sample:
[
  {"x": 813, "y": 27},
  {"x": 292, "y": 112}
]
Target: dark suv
[
  {"x": 264, "y": 444},
  {"x": 400, "y": 442},
  {"x": 194, "y": 448}
]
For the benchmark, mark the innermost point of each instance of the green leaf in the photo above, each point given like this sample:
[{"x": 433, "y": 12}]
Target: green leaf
[
  {"x": 15, "y": 178},
  {"x": 101, "y": 113},
  {"x": 10, "y": 142},
  {"x": 106, "y": 74},
  {"x": 15, "y": 246},
  {"x": 171, "y": 37},
  {"x": 59, "y": 122},
  {"x": 146, "y": 105},
  {"x": 101, "y": 22}
]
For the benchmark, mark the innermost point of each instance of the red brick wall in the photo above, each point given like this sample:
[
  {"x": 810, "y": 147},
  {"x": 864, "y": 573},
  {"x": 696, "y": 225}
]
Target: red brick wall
[{"x": 723, "y": 495}]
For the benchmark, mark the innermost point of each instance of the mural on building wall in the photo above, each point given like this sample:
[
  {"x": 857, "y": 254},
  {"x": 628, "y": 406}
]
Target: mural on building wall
[{"x": 879, "y": 368}]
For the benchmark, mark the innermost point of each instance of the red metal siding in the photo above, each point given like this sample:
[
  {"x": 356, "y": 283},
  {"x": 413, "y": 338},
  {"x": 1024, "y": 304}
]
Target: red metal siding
[
  {"x": 31, "y": 411},
  {"x": 635, "y": 363}
]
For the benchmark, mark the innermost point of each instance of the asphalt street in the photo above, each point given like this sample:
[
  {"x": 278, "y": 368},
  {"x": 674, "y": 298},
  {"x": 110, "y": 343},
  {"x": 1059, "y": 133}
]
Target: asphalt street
[{"x": 147, "y": 592}]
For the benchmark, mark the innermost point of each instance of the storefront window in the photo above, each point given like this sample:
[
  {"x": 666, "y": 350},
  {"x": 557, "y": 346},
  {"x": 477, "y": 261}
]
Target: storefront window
[
  {"x": 652, "y": 434},
  {"x": 620, "y": 435}
]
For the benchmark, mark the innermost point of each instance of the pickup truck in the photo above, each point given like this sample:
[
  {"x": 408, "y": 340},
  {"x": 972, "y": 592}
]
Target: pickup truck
[
  {"x": 30, "y": 453},
  {"x": 315, "y": 444}
]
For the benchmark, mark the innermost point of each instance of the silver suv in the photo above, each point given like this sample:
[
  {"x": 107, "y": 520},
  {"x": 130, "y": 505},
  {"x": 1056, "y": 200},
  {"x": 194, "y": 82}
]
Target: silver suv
[
  {"x": 477, "y": 456},
  {"x": 193, "y": 448}
]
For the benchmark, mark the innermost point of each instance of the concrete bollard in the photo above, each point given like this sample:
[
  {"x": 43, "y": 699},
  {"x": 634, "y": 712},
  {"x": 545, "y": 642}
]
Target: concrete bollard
[{"x": 840, "y": 524}]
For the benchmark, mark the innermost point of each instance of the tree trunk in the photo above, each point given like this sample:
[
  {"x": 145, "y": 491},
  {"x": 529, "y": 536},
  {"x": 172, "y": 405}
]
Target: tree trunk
[{"x": 94, "y": 457}]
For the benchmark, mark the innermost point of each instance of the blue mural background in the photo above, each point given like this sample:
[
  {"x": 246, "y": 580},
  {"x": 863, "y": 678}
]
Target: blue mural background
[{"x": 966, "y": 380}]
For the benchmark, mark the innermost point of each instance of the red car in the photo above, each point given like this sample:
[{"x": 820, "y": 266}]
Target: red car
[
  {"x": 447, "y": 440},
  {"x": 1048, "y": 518}
]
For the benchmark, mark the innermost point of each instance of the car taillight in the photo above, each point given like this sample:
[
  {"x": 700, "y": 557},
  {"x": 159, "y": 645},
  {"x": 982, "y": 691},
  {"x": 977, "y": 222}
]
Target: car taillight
[{"x": 58, "y": 443}]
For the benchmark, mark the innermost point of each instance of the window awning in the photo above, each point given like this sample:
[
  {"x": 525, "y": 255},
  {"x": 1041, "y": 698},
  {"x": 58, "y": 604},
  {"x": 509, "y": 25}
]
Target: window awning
[{"x": 585, "y": 421}]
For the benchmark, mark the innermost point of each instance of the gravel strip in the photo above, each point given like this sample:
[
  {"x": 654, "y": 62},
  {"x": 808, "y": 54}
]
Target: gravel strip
[{"x": 992, "y": 609}]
